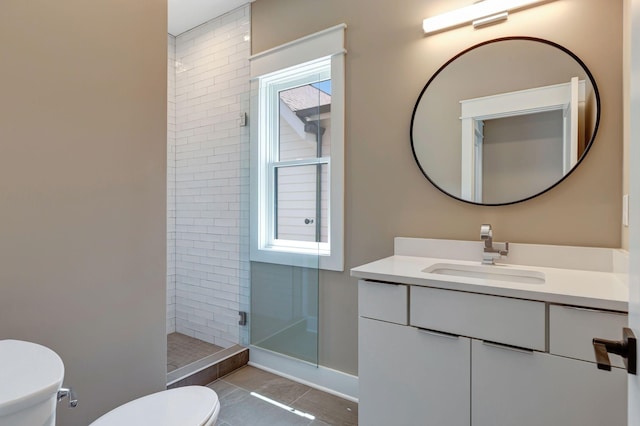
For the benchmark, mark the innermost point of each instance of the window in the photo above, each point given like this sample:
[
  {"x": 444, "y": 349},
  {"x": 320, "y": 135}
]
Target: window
[{"x": 297, "y": 138}]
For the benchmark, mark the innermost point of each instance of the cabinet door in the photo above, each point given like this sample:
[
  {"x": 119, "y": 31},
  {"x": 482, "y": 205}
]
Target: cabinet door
[
  {"x": 411, "y": 377},
  {"x": 516, "y": 387}
]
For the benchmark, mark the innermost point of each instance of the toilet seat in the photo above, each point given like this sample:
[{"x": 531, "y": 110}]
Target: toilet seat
[{"x": 186, "y": 406}]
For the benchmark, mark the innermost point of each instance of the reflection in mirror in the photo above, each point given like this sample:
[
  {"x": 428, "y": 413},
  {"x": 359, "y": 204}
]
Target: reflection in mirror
[{"x": 505, "y": 120}]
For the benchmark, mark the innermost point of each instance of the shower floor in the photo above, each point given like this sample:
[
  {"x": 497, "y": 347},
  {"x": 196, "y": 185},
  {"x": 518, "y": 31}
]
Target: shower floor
[{"x": 183, "y": 350}]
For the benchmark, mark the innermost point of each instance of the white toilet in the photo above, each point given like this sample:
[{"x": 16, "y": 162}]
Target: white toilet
[{"x": 31, "y": 376}]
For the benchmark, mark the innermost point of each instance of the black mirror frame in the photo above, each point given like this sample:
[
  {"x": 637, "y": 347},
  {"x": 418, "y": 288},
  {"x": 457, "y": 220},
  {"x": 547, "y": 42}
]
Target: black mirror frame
[{"x": 540, "y": 40}]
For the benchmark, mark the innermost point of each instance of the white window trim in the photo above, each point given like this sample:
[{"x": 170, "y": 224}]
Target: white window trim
[
  {"x": 325, "y": 44},
  {"x": 564, "y": 96}
]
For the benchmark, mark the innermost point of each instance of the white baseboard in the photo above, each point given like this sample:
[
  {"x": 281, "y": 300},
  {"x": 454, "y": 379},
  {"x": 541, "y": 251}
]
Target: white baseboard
[{"x": 322, "y": 378}]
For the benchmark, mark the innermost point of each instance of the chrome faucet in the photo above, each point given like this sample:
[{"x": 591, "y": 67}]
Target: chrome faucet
[{"x": 490, "y": 254}]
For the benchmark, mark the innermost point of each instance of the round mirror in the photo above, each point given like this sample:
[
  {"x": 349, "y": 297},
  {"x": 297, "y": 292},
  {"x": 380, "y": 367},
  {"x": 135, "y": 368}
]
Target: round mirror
[{"x": 505, "y": 120}]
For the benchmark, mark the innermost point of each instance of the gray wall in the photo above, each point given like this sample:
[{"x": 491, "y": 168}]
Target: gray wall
[
  {"x": 388, "y": 63},
  {"x": 522, "y": 156},
  {"x": 83, "y": 116}
]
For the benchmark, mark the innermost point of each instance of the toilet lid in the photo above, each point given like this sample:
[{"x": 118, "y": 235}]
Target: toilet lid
[
  {"x": 29, "y": 373},
  {"x": 186, "y": 406}
]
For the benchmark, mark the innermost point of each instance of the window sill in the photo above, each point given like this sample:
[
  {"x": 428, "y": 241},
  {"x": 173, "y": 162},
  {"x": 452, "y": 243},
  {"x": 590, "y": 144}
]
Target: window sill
[{"x": 303, "y": 258}]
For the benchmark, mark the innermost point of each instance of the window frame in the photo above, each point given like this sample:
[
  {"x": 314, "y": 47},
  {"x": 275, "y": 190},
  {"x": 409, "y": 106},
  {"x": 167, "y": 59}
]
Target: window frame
[{"x": 310, "y": 59}]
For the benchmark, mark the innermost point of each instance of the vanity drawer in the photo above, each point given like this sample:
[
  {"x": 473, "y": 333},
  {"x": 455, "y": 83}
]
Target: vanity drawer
[
  {"x": 383, "y": 301},
  {"x": 571, "y": 330},
  {"x": 497, "y": 319}
]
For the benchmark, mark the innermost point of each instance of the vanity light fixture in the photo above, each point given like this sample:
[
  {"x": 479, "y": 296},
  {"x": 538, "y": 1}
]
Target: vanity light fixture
[{"x": 480, "y": 13}]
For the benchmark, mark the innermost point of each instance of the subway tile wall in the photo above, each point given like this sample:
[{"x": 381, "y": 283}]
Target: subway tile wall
[
  {"x": 211, "y": 177},
  {"x": 171, "y": 185}
]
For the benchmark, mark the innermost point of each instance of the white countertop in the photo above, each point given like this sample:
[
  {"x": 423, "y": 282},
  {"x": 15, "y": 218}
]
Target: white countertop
[{"x": 592, "y": 289}]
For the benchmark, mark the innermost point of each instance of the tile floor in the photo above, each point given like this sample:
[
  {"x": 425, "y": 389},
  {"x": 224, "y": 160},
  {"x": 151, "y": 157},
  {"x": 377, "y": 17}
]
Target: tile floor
[
  {"x": 240, "y": 408},
  {"x": 183, "y": 350}
]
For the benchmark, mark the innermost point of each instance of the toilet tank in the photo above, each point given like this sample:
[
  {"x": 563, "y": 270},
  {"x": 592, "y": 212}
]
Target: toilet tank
[{"x": 30, "y": 377}]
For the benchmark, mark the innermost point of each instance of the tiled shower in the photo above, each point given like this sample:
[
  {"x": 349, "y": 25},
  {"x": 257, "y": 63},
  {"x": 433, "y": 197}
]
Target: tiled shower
[
  {"x": 209, "y": 275},
  {"x": 207, "y": 200}
]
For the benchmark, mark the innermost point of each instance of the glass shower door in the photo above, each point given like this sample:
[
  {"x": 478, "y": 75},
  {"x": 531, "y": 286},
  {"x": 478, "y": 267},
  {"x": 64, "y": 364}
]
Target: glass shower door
[{"x": 291, "y": 151}]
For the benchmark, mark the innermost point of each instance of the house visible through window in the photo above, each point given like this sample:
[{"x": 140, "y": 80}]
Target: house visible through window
[{"x": 301, "y": 193}]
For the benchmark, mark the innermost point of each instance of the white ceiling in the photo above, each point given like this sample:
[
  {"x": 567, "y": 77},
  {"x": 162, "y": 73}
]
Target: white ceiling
[{"x": 187, "y": 14}]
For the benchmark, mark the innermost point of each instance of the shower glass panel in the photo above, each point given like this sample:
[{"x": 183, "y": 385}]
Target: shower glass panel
[
  {"x": 208, "y": 192},
  {"x": 284, "y": 310},
  {"x": 292, "y": 173}
]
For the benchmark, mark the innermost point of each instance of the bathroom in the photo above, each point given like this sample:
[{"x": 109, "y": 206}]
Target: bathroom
[{"x": 84, "y": 235}]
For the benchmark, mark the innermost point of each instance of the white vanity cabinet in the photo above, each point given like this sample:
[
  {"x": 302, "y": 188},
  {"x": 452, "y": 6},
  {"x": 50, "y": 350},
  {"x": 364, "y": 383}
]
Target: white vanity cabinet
[
  {"x": 408, "y": 376},
  {"x": 412, "y": 377},
  {"x": 431, "y": 356},
  {"x": 512, "y": 386}
]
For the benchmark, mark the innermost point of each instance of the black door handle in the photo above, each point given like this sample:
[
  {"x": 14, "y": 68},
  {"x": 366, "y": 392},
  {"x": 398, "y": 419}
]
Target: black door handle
[{"x": 626, "y": 348}]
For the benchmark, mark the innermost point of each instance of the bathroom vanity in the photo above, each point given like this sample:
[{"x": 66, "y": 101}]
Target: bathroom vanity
[{"x": 444, "y": 340}]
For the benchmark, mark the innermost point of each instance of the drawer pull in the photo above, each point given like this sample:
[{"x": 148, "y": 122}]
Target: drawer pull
[
  {"x": 386, "y": 283},
  {"x": 437, "y": 333},
  {"x": 507, "y": 347},
  {"x": 598, "y": 311}
]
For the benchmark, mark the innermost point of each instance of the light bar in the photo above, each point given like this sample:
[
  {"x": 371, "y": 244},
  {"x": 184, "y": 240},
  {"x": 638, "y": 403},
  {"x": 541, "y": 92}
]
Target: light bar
[
  {"x": 474, "y": 12},
  {"x": 490, "y": 19}
]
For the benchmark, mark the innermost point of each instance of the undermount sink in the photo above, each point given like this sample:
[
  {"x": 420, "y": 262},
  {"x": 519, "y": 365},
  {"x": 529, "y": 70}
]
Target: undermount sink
[{"x": 496, "y": 273}]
